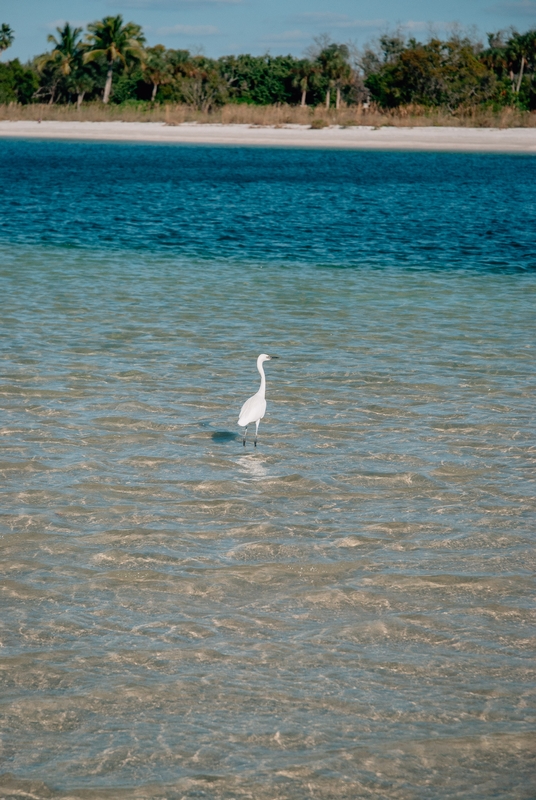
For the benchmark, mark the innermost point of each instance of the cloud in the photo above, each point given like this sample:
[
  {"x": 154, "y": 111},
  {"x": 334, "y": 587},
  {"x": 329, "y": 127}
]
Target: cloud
[
  {"x": 188, "y": 30},
  {"x": 418, "y": 25},
  {"x": 330, "y": 20},
  {"x": 314, "y": 21},
  {"x": 518, "y": 8},
  {"x": 286, "y": 36}
]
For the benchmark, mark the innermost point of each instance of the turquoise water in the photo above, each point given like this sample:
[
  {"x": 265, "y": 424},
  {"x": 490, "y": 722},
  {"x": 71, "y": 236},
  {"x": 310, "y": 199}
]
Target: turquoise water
[{"x": 345, "y": 611}]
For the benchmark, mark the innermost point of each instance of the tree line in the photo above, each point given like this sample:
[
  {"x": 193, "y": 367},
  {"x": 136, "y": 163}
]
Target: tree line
[{"x": 110, "y": 63}]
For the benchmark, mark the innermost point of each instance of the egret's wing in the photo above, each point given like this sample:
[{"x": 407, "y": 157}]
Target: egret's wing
[{"x": 252, "y": 410}]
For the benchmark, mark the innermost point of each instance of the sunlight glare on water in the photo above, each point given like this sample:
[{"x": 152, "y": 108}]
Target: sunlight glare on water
[{"x": 345, "y": 611}]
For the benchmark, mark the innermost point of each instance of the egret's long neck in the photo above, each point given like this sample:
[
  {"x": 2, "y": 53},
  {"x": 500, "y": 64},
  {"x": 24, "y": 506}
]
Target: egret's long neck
[{"x": 262, "y": 388}]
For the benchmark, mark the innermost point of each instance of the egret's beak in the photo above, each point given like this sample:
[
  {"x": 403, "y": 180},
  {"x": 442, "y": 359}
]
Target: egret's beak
[{"x": 273, "y": 357}]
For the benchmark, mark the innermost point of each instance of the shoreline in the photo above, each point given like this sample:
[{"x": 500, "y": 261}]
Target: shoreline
[{"x": 447, "y": 139}]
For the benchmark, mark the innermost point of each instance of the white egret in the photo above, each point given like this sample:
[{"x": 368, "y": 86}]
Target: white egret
[{"x": 254, "y": 409}]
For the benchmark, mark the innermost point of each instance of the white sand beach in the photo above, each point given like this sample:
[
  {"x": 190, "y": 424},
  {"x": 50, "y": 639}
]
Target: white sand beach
[{"x": 508, "y": 140}]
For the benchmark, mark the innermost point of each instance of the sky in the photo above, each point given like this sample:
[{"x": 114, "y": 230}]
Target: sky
[{"x": 222, "y": 27}]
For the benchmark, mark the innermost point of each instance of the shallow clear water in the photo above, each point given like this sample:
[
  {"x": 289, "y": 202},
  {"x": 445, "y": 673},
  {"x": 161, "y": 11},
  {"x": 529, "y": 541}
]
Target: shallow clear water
[{"x": 346, "y": 611}]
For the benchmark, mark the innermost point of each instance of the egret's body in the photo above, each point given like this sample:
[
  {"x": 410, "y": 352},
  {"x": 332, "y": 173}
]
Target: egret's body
[{"x": 254, "y": 409}]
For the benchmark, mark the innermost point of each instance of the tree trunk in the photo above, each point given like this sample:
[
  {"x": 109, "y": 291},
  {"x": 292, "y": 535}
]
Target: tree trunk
[
  {"x": 328, "y": 98},
  {"x": 51, "y": 101},
  {"x": 338, "y": 102},
  {"x": 520, "y": 75},
  {"x": 304, "y": 97},
  {"x": 108, "y": 85},
  {"x": 155, "y": 89},
  {"x": 80, "y": 100}
]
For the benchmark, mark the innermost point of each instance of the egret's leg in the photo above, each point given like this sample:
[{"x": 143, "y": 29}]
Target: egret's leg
[
  {"x": 245, "y": 434},
  {"x": 256, "y": 431}
]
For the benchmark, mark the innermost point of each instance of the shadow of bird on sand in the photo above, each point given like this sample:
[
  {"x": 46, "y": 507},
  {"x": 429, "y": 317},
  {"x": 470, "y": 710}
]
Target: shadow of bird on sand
[{"x": 224, "y": 436}]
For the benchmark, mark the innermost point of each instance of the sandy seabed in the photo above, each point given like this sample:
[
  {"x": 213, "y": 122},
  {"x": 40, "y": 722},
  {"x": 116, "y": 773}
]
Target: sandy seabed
[{"x": 508, "y": 140}]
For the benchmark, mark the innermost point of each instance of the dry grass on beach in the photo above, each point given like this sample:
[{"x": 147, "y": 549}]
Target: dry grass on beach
[{"x": 407, "y": 117}]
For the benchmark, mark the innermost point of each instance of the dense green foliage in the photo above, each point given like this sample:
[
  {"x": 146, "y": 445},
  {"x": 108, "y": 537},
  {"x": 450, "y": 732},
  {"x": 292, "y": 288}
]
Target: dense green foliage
[
  {"x": 262, "y": 80},
  {"x": 111, "y": 64},
  {"x": 456, "y": 73},
  {"x": 18, "y": 84}
]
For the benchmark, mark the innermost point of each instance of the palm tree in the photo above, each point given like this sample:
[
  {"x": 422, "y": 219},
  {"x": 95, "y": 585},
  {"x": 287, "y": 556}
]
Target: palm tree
[
  {"x": 304, "y": 72},
  {"x": 495, "y": 55},
  {"x": 115, "y": 41},
  {"x": 156, "y": 67},
  {"x": 82, "y": 82},
  {"x": 65, "y": 60},
  {"x": 522, "y": 48},
  {"x": 333, "y": 62},
  {"x": 7, "y": 37},
  {"x": 343, "y": 77},
  {"x": 67, "y": 48},
  {"x": 516, "y": 60}
]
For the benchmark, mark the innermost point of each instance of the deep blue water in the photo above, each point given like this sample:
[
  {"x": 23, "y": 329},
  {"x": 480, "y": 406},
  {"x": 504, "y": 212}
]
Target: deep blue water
[
  {"x": 345, "y": 611},
  {"x": 322, "y": 207}
]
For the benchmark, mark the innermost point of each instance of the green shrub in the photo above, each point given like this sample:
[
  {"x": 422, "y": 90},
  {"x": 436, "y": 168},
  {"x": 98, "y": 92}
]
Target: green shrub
[{"x": 17, "y": 83}]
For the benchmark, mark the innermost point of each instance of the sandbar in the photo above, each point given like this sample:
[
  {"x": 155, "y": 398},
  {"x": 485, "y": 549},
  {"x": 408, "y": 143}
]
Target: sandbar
[{"x": 478, "y": 140}]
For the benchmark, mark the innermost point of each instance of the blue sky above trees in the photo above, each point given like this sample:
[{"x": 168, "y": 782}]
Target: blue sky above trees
[{"x": 220, "y": 27}]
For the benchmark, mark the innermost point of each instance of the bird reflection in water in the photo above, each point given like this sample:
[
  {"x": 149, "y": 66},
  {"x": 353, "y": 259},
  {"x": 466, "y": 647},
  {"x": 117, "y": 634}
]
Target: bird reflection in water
[{"x": 253, "y": 467}]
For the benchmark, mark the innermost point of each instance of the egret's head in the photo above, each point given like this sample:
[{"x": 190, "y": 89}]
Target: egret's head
[{"x": 265, "y": 357}]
